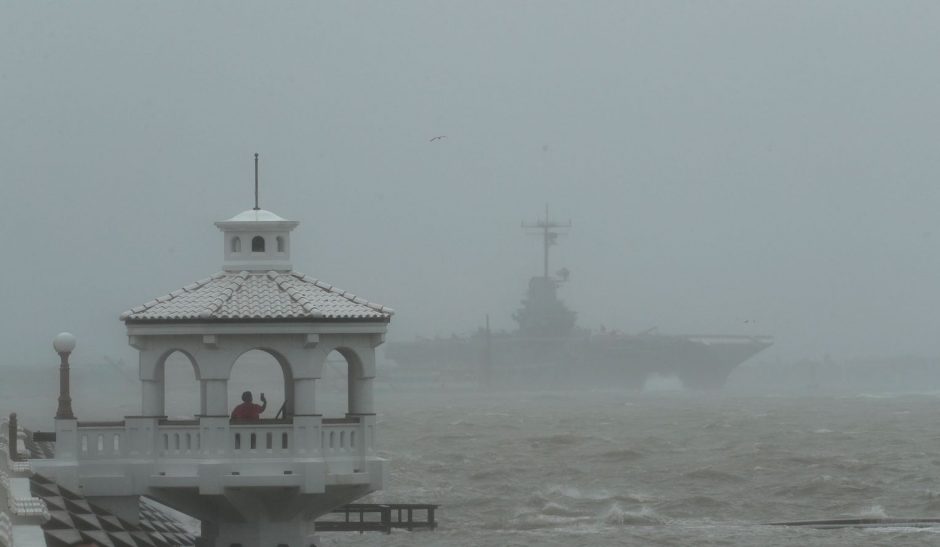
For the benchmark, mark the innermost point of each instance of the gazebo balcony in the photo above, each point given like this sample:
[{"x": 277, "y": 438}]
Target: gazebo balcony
[{"x": 264, "y": 453}]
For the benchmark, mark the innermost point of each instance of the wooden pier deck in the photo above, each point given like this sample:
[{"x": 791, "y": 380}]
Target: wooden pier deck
[{"x": 379, "y": 517}]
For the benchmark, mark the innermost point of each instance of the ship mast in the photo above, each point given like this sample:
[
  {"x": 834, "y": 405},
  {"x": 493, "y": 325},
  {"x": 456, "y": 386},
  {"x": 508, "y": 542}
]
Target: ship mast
[{"x": 549, "y": 230}]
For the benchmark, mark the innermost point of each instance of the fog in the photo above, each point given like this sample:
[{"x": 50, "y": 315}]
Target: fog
[{"x": 728, "y": 167}]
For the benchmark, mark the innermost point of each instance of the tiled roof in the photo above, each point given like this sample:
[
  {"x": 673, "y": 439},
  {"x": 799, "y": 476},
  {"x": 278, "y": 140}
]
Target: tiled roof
[{"x": 258, "y": 296}]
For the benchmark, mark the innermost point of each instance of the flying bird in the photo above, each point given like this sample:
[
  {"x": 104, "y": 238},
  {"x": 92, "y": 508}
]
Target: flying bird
[{"x": 437, "y": 138}]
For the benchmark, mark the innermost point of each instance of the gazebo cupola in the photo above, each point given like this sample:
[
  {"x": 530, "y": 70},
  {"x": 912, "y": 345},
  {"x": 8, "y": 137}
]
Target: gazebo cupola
[{"x": 256, "y": 240}]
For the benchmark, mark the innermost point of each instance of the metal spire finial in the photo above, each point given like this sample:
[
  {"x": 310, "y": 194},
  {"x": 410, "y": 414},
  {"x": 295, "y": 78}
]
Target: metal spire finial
[{"x": 256, "y": 182}]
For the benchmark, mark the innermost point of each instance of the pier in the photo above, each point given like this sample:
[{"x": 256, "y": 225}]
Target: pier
[{"x": 380, "y": 517}]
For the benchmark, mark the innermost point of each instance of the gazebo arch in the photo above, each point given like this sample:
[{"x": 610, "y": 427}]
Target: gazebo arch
[
  {"x": 161, "y": 361},
  {"x": 168, "y": 372},
  {"x": 360, "y": 370},
  {"x": 153, "y": 378},
  {"x": 287, "y": 375},
  {"x": 332, "y": 387}
]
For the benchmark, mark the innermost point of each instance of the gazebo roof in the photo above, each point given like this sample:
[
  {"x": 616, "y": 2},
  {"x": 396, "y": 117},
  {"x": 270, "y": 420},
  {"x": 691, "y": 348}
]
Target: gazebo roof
[{"x": 258, "y": 296}]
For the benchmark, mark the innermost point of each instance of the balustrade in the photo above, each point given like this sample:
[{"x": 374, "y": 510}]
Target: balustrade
[
  {"x": 343, "y": 444},
  {"x": 341, "y": 439},
  {"x": 101, "y": 440},
  {"x": 262, "y": 438},
  {"x": 179, "y": 439}
]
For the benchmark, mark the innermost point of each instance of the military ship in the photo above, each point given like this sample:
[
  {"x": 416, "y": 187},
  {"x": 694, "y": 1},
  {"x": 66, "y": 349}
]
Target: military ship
[{"x": 549, "y": 349}]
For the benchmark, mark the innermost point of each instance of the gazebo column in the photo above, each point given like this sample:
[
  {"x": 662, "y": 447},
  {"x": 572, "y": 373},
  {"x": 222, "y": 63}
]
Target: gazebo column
[
  {"x": 305, "y": 403},
  {"x": 360, "y": 395},
  {"x": 151, "y": 377},
  {"x": 152, "y": 392},
  {"x": 215, "y": 397},
  {"x": 214, "y": 422},
  {"x": 361, "y": 374},
  {"x": 307, "y": 426}
]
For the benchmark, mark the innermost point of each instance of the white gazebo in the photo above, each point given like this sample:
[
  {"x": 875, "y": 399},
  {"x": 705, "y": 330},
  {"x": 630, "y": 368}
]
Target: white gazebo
[{"x": 250, "y": 483}]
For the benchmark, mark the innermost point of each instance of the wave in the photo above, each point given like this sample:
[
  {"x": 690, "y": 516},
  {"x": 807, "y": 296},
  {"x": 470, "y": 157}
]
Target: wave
[
  {"x": 559, "y": 510},
  {"x": 560, "y": 515},
  {"x": 826, "y": 485},
  {"x": 491, "y": 474},
  {"x": 617, "y": 456},
  {"x": 852, "y": 464},
  {"x": 849, "y": 464},
  {"x": 808, "y": 460},
  {"x": 645, "y": 516},
  {"x": 709, "y": 474},
  {"x": 536, "y": 521},
  {"x": 875, "y": 511},
  {"x": 576, "y": 493},
  {"x": 586, "y": 499},
  {"x": 559, "y": 440},
  {"x": 693, "y": 505}
]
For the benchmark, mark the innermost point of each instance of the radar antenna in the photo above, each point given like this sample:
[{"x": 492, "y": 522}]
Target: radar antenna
[{"x": 549, "y": 230}]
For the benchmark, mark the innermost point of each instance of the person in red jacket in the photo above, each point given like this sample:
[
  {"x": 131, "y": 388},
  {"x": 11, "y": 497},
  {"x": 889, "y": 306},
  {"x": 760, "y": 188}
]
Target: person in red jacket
[{"x": 248, "y": 410}]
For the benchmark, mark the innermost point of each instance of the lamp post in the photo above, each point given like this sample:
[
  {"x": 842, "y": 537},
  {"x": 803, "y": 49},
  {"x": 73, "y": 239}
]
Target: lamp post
[
  {"x": 12, "y": 436},
  {"x": 64, "y": 343}
]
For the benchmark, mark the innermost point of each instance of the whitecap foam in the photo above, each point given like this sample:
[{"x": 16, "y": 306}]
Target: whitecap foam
[
  {"x": 617, "y": 516},
  {"x": 559, "y": 510},
  {"x": 576, "y": 493},
  {"x": 875, "y": 511},
  {"x": 535, "y": 520}
]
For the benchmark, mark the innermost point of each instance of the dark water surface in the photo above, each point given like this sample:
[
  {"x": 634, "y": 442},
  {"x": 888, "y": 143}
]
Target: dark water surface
[
  {"x": 619, "y": 468},
  {"x": 609, "y": 468}
]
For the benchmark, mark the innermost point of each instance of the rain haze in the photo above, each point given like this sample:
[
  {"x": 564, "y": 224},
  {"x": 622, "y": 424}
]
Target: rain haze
[
  {"x": 751, "y": 168},
  {"x": 721, "y": 162}
]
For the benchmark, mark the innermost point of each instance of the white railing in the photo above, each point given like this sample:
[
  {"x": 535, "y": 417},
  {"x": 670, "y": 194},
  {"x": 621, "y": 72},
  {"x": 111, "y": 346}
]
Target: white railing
[
  {"x": 179, "y": 440},
  {"x": 343, "y": 445},
  {"x": 253, "y": 440},
  {"x": 101, "y": 440},
  {"x": 343, "y": 439}
]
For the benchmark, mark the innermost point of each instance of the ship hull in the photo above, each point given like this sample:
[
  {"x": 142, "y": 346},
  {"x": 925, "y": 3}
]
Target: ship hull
[{"x": 625, "y": 361}]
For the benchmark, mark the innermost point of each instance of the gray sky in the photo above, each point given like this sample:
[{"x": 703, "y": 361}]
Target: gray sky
[{"x": 722, "y": 162}]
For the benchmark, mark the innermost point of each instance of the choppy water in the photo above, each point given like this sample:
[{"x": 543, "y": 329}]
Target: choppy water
[
  {"x": 657, "y": 469},
  {"x": 618, "y": 468}
]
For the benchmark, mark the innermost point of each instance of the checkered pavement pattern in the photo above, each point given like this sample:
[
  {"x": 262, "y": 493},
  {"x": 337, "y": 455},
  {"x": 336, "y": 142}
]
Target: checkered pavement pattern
[
  {"x": 72, "y": 518},
  {"x": 154, "y": 519}
]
